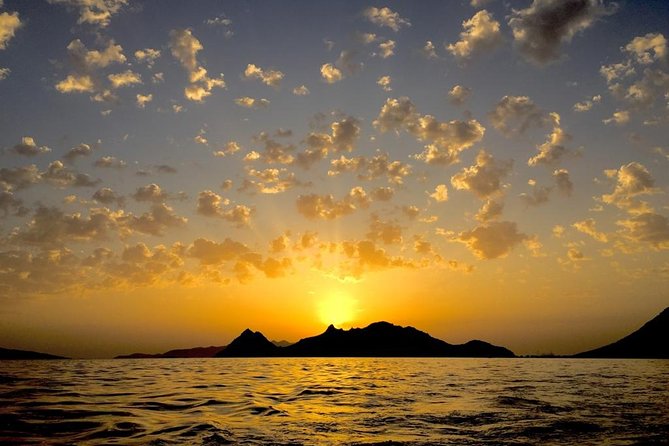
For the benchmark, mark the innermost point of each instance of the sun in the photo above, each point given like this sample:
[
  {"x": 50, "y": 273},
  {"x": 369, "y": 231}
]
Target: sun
[{"x": 337, "y": 308}]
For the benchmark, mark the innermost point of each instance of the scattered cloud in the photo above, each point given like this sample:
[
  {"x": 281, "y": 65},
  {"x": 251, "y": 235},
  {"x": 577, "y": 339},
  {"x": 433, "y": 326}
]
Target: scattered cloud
[
  {"x": 553, "y": 149},
  {"x": 184, "y": 47},
  {"x": 272, "y": 78},
  {"x": 484, "y": 178},
  {"x": 446, "y": 139},
  {"x": 385, "y": 17},
  {"x": 481, "y": 33},
  {"x": 28, "y": 147},
  {"x": 514, "y": 115},
  {"x": 326, "y": 207},
  {"x": 540, "y": 29},
  {"x": 9, "y": 23},
  {"x": 492, "y": 240},
  {"x": 93, "y": 12},
  {"x": 248, "y": 102}
]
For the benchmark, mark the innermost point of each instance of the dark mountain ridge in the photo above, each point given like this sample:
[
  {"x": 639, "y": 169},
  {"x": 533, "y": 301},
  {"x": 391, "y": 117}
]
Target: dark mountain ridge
[
  {"x": 8, "y": 353},
  {"x": 381, "y": 339},
  {"x": 650, "y": 341}
]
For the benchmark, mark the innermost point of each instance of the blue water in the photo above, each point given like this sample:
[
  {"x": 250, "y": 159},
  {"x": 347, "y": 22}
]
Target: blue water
[{"x": 334, "y": 401}]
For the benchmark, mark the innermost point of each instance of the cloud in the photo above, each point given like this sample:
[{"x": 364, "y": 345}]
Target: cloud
[
  {"x": 649, "y": 48},
  {"x": 9, "y": 203},
  {"x": 586, "y": 105},
  {"x": 458, "y": 94},
  {"x": 447, "y": 139},
  {"x": 229, "y": 148},
  {"x": 107, "y": 196},
  {"x": 632, "y": 180},
  {"x": 302, "y": 90},
  {"x": 514, "y": 115},
  {"x": 331, "y": 74},
  {"x": 272, "y": 78},
  {"x": 538, "y": 196},
  {"x": 155, "y": 222},
  {"x": 4, "y": 73},
  {"x": 78, "y": 151},
  {"x": 384, "y": 83},
  {"x": 388, "y": 232},
  {"x": 483, "y": 178},
  {"x": 588, "y": 227},
  {"x": 378, "y": 166},
  {"x": 269, "y": 181},
  {"x": 110, "y": 162},
  {"x": 563, "y": 182},
  {"x": 382, "y": 193},
  {"x": 273, "y": 152},
  {"x": 492, "y": 240},
  {"x": 151, "y": 192},
  {"x": 50, "y": 227},
  {"x": 326, "y": 207},
  {"x": 94, "y": 12},
  {"x": 619, "y": 117},
  {"x": 541, "y": 29},
  {"x": 553, "y": 149},
  {"x": 60, "y": 176},
  {"x": 143, "y": 99},
  {"x": 490, "y": 210},
  {"x": 210, "y": 204},
  {"x": 184, "y": 47},
  {"x": 647, "y": 227},
  {"x": 386, "y": 49},
  {"x": 209, "y": 252},
  {"x": 28, "y": 147},
  {"x": 147, "y": 56},
  {"x": 248, "y": 102},
  {"x": 19, "y": 177},
  {"x": 124, "y": 79},
  {"x": 481, "y": 33},
  {"x": 85, "y": 63},
  {"x": 429, "y": 51},
  {"x": 385, "y": 17},
  {"x": 440, "y": 193},
  {"x": 9, "y": 23}
]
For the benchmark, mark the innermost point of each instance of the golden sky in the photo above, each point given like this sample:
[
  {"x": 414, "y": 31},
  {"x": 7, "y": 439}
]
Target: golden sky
[{"x": 174, "y": 172}]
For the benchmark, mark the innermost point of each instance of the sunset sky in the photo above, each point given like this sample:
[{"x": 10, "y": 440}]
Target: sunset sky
[{"x": 173, "y": 172}]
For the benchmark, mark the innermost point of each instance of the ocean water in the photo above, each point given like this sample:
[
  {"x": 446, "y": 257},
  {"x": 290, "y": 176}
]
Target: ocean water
[{"x": 313, "y": 401}]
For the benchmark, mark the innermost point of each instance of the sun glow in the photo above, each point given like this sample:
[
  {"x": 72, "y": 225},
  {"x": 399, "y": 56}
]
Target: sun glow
[{"x": 337, "y": 308}]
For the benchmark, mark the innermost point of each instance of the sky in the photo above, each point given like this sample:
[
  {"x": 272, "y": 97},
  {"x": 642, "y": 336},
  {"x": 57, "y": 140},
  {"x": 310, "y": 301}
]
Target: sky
[{"x": 174, "y": 172}]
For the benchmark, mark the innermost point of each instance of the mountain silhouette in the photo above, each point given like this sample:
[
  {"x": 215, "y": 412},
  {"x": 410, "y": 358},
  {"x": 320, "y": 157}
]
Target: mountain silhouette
[
  {"x": 8, "y": 353},
  {"x": 249, "y": 344},
  {"x": 649, "y": 341},
  {"x": 195, "y": 352},
  {"x": 378, "y": 339}
]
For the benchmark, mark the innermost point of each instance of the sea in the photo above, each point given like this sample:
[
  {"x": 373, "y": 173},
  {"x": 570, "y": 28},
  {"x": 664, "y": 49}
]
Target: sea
[{"x": 332, "y": 401}]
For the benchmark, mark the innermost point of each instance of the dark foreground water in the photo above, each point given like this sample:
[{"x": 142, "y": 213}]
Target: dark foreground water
[{"x": 334, "y": 401}]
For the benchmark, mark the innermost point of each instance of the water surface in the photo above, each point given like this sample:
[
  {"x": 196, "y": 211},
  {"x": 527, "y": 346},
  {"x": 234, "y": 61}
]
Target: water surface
[{"x": 286, "y": 401}]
